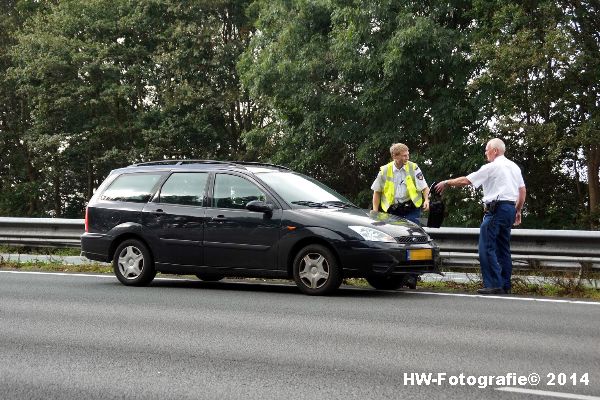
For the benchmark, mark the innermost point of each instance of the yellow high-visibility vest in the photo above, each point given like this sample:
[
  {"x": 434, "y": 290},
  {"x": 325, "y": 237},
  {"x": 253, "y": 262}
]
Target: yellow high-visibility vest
[{"x": 387, "y": 197}]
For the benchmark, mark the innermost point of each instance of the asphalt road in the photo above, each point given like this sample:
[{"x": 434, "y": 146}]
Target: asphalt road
[{"x": 89, "y": 337}]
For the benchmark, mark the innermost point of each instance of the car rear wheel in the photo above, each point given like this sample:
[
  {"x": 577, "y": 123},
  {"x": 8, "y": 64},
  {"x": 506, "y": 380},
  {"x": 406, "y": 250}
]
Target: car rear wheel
[
  {"x": 386, "y": 282},
  {"x": 209, "y": 277},
  {"x": 133, "y": 264},
  {"x": 316, "y": 271}
]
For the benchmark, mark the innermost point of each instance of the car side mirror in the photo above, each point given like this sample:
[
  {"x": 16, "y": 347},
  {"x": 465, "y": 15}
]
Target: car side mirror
[{"x": 259, "y": 206}]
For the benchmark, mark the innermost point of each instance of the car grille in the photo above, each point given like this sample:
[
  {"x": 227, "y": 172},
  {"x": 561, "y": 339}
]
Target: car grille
[{"x": 412, "y": 239}]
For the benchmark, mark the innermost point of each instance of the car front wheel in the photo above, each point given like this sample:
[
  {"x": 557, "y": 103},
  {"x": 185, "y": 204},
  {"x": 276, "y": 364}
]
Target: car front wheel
[
  {"x": 133, "y": 264},
  {"x": 316, "y": 271}
]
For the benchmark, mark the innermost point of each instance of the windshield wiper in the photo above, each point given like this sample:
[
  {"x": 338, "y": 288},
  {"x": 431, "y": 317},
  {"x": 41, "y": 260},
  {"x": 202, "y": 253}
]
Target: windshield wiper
[
  {"x": 309, "y": 203},
  {"x": 325, "y": 204},
  {"x": 338, "y": 203}
]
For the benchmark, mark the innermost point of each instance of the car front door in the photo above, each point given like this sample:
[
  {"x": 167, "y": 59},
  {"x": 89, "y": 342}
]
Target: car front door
[
  {"x": 235, "y": 237},
  {"x": 175, "y": 219}
]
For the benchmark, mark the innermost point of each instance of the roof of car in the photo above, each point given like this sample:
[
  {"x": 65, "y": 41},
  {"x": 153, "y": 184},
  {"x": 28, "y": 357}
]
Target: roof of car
[{"x": 202, "y": 165}]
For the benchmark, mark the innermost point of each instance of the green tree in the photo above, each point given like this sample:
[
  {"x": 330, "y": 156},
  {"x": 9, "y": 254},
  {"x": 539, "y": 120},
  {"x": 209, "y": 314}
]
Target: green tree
[
  {"x": 87, "y": 86},
  {"x": 539, "y": 72},
  {"x": 200, "y": 109},
  {"x": 19, "y": 183},
  {"x": 107, "y": 83},
  {"x": 345, "y": 80},
  {"x": 84, "y": 95}
]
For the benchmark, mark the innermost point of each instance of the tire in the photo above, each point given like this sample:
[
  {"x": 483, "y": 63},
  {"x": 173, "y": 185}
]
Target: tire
[
  {"x": 207, "y": 277},
  {"x": 316, "y": 270},
  {"x": 133, "y": 264},
  {"x": 410, "y": 281},
  {"x": 386, "y": 282}
]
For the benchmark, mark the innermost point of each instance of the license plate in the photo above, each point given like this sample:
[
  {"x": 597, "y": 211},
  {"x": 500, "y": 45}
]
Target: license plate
[{"x": 419, "y": 254}]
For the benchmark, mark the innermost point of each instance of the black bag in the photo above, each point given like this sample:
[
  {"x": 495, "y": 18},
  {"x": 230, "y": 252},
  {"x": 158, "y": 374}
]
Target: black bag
[
  {"x": 436, "y": 209},
  {"x": 402, "y": 209}
]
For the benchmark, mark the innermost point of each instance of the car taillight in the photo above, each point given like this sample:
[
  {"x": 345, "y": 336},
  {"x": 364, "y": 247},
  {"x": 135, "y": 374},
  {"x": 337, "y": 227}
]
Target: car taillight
[{"x": 86, "y": 220}]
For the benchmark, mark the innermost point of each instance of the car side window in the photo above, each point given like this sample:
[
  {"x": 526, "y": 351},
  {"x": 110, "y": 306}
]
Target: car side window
[
  {"x": 135, "y": 188},
  {"x": 235, "y": 192},
  {"x": 184, "y": 188}
]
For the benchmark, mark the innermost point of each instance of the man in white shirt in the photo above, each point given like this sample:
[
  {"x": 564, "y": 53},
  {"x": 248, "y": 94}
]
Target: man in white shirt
[{"x": 504, "y": 195}]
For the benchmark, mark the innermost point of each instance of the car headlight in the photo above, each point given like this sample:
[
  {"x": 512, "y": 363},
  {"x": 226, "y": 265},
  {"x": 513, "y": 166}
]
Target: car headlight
[{"x": 373, "y": 235}]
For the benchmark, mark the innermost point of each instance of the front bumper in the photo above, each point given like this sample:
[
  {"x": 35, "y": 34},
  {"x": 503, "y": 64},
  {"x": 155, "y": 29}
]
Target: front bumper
[{"x": 364, "y": 258}]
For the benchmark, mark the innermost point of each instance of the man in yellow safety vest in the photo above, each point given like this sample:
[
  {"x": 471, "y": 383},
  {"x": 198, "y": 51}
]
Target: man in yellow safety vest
[{"x": 400, "y": 187}]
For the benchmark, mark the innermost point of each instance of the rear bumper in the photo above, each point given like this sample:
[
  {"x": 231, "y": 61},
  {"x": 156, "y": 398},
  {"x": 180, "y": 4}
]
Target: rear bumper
[{"x": 95, "y": 246}]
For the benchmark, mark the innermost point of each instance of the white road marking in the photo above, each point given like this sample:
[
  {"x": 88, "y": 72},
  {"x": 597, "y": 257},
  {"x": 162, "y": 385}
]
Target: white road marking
[
  {"x": 57, "y": 273},
  {"x": 507, "y": 297},
  {"x": 548, "y": 393},
  {"x": 79, "y": 275},
  {"x": 504, "y": 297}
]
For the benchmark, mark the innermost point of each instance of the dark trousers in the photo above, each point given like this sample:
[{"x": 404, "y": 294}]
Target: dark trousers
[{"x": 494, "y": 246}]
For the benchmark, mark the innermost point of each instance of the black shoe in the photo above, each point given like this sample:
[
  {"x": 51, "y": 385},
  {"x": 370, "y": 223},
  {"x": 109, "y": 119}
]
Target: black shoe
[{"x": 490, "y": 291}]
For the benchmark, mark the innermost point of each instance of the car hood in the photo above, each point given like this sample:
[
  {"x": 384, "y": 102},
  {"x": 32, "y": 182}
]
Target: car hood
[{"x": 390, "y": 224}]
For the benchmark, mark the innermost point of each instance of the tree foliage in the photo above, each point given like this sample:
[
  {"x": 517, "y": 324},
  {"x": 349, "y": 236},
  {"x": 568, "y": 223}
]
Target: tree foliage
[
  {"x": 540, "y": 77},
  {"x": 107, "y": 83},
  {"x": 345, "y": 80},
  {"x": 324, "y": 86}
]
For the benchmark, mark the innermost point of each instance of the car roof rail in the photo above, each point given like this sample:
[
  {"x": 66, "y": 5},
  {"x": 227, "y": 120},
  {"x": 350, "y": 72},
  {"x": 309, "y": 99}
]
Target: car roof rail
[
  {"x": 178, "y": 162},
  {"x": 259, "y": 164},
  {"x": 242, "y": 164}
]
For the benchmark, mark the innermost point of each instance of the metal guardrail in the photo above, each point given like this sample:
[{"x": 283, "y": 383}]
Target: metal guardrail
[
  {"x": 530, "y": 247},
  {"x": 41, "y": 232},
  {"x": 524, "y": 241}
]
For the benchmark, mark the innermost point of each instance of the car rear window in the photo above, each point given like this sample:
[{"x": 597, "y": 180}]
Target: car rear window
[
  {"x": 135, "y": 188},
  {"x": 184, "y": 188}
]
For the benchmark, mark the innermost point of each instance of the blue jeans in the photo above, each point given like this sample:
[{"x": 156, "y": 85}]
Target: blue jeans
[
  {"x": 494, "y": 247},
  {"x": 412, "y": 215}
]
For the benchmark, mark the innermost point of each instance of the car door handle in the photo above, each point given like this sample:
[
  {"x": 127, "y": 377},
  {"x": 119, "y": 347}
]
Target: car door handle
[
  {"x": 219, "y": 218},
  {"x": 158, "y": 211}
]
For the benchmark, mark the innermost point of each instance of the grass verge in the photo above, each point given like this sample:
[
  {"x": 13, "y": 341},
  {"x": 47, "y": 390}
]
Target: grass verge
[
  {"x": 559, "y": 286},
  {"x": 529, "y": 289},
  {"x": 56, "y": 267},
  {"x": 54, "y": 251}
]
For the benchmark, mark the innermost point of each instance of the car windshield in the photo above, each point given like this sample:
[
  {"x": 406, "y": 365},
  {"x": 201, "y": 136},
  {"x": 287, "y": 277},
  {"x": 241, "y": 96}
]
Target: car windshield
[{"x": 302, "y": 190}]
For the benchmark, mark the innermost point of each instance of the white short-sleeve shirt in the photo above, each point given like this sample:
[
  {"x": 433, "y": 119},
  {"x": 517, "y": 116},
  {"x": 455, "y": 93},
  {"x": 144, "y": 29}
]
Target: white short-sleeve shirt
[
  {"x": 501, "y": 180},
  {"x": 400, "y": 191}
]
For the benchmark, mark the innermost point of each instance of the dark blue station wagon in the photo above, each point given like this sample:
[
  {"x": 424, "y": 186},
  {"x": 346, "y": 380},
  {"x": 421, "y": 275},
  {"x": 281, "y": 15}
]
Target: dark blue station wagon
[{"x": 217, "y": 219}]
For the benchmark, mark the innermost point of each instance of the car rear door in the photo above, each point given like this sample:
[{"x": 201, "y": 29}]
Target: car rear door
[
  {"x": 235, "y": 237},
  {"x": 175, "y": 219}
]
